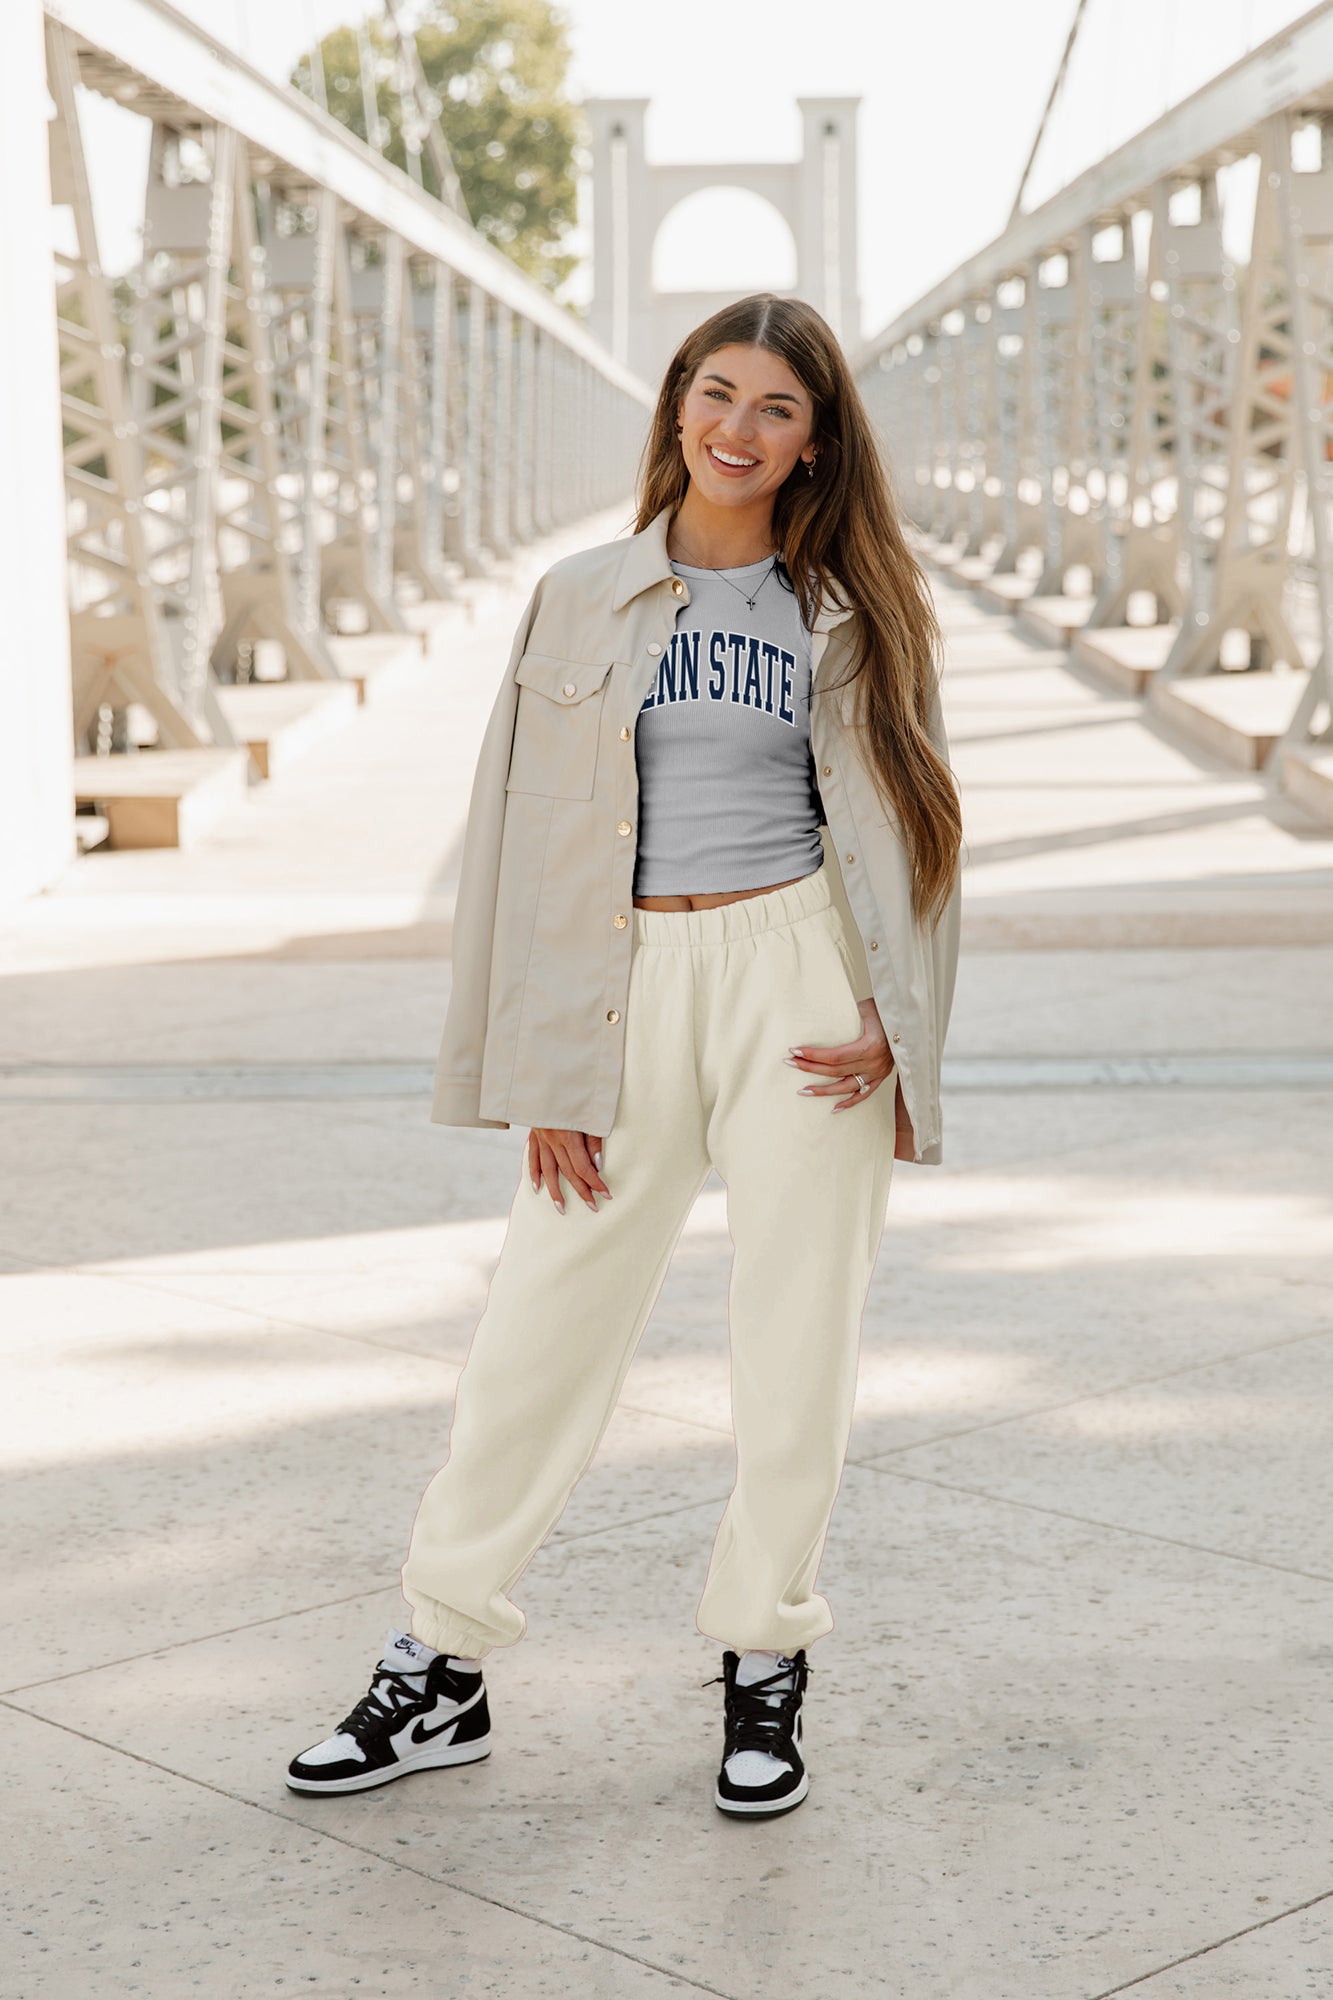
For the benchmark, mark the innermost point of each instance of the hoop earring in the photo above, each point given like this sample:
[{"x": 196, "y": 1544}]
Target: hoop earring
[{"x": 810, "y": 468}]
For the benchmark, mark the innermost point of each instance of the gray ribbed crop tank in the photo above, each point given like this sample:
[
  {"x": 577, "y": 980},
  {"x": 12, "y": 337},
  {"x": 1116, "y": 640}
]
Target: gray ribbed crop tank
[{"x": 727, "y": 791}]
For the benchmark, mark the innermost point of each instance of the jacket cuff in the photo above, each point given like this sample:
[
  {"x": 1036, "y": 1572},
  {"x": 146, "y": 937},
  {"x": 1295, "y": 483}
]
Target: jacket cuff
[
  {"x": 456, "y": 1101},
  {"x": 931, "y": 1156}
]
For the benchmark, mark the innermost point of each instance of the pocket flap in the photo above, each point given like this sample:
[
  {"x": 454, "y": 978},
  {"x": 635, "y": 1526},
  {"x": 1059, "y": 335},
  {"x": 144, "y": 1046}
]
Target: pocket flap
[{"x": 565, "y": 681}]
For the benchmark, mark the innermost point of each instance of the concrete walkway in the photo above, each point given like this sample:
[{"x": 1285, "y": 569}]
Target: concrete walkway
[{"x": 1072, "y": 1736}]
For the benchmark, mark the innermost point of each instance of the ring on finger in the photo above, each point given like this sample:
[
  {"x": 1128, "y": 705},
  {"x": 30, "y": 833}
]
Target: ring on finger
[{"x": 862, "y": 1086}]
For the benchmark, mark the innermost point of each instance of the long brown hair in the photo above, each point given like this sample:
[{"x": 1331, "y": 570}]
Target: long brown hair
[{"x": 839, "y": 537}]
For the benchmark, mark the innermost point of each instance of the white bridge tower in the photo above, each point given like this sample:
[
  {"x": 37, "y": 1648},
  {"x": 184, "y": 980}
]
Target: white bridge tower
[{"x": 815, "y": 195}]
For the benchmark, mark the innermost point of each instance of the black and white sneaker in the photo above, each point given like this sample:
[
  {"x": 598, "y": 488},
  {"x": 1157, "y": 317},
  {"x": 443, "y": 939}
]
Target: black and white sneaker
[
  {"x": 763, "y": 1772},
  {"x": 423, "y": 1711}
]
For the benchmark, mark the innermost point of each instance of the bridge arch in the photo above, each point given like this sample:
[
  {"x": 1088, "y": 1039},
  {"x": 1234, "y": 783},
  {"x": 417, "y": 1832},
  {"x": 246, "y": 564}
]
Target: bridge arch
[
  {"x": 749, "y": 243},
  {"x": 641, "y": 320}
]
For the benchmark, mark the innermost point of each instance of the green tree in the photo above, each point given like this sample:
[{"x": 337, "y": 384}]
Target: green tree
[{"x": 498, "y": 70}]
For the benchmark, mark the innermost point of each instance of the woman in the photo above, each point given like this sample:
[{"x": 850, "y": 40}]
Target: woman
[{"x": 693, "y": 855}]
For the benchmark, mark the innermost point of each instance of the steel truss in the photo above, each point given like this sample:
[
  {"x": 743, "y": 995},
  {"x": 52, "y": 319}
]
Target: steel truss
[
  {"x": 321, "y": 386},
  {"x": 1104, "y": 388}
]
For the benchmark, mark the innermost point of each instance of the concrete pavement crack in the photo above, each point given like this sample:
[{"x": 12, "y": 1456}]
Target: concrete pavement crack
[
  {"x": 357, "y": 1847},
  {"x": 1095, "y": 1395},
  {"x": 195, "y": 1639},
  {"x": 1091, "y": 1521},
  {"x": 146, "y": 1283},
  {"x": 1188, "y": 1958},
  {"x": 555, "y": 1541}
]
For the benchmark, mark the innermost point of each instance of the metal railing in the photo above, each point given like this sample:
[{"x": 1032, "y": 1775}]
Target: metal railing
[
  {"x": 1118, "y": 396},
  {"x": 318, "y": 386}
]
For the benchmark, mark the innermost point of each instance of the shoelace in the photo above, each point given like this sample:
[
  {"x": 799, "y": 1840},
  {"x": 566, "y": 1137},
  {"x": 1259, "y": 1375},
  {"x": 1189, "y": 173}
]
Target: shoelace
[
  {"x": 375, "y": 1709},
  {"x": 751, "y": 1723}
]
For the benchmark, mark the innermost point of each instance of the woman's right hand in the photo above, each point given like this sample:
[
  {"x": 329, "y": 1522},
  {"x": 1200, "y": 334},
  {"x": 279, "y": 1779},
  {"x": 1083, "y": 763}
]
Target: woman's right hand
[{"x": 553, "y": 1151}]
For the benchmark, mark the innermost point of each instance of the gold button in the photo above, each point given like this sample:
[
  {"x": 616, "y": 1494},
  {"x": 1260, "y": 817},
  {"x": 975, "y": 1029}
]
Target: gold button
[
  {"x": 654, "y": 648},
  {"x": 619, "y": 921},
  {"x": 624, "y": 736},
  {"x": 613, "y": 1014},
  {"x": 677, "y": 587},
  {"x": 897, "y": 1038},
  {"x": 570, "y": 687},
  {"x": 827, "y": 769},
  {"x": 874, "y": 944},
  {"x": 624, "y": 827},
  {"x": 851, "y": 857}
]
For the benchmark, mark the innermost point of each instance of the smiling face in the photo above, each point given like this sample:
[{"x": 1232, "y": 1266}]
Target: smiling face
[{"x": 745, "y": 420}]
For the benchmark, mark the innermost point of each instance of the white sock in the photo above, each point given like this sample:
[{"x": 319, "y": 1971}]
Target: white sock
[
  {"x": 413, "y": 1657},
  {"x": 407, "y": 1655},
  {"x": 756, "y": 1666}
]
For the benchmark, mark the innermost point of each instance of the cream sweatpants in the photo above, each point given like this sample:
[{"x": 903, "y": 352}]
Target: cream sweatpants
[{"x": 716, "y": 999}]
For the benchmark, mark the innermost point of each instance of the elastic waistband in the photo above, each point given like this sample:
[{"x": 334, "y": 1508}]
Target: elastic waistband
[{"x": 752, "y": 914}]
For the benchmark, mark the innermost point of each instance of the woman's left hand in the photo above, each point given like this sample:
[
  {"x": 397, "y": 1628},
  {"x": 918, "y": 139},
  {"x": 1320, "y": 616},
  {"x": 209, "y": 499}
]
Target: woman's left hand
[{"x": 869, "y": 1056}]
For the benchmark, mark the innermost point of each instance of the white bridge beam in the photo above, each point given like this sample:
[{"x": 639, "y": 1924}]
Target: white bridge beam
[
  {"x": 36, "y": 822},
  {"x": 1219, "y": 123},
  {"x": 1118, "y": 399},
  {"x": 329, "y": 396},
  {"x": 152, "y": 41}
]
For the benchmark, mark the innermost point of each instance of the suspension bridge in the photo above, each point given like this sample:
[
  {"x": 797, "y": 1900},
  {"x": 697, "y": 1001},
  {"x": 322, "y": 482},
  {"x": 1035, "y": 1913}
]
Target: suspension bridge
[
  {"x": 321, "y": 400},
  {"x": 276, "y": 495}
]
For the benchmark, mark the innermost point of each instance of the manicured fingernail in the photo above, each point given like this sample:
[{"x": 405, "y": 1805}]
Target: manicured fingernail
[
  {"x": 791, "y": 1062},
  {"x": 795, "y": 1052},
  {"x": 597, "y": 1161},
  {"x": 805, "y": 1091},
  {"x": 561, "y": 1206},
  {"x": 536, "y": 1184}
]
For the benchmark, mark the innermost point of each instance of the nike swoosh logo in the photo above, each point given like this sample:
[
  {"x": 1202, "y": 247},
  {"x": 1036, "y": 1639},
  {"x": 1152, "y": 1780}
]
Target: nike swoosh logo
[{"x": 419, "y": 1732}]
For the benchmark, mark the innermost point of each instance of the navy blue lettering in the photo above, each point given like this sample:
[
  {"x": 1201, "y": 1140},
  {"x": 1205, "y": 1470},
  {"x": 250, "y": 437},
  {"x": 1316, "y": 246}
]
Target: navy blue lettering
[
  {"x": 689, "y": 665},
  {"x": 752, "y": 677},
  {"x": 717, "y": 666},
  {"x": 770, "y": 661},
  {"x": 739, "y": 645},
  {"x": 759, "y": 670},
  {"x": 787, "y": 713}
]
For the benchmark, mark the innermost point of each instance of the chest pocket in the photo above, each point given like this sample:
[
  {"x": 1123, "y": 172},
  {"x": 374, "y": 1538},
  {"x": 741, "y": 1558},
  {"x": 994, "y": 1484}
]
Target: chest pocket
[{"x": 556, "y": 729}]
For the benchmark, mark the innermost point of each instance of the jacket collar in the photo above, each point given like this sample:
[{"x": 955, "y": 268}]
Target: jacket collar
[{"x": 645, "y": 562}]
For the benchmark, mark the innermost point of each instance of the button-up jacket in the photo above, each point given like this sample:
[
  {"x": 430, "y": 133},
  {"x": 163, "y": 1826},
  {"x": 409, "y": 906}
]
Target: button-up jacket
[{"x": 543, "y": 931}]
